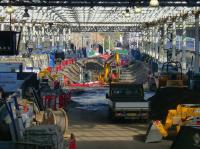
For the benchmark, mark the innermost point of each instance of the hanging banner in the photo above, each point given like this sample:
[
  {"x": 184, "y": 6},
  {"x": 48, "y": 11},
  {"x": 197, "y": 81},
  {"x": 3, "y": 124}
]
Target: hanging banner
[
  {"x": 121, "y": 52},
  {"x": 11, "y": 67}
]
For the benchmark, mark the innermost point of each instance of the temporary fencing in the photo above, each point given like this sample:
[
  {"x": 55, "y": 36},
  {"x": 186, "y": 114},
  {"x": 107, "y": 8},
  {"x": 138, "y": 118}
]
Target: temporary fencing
[{"x": 55, "y": 102}]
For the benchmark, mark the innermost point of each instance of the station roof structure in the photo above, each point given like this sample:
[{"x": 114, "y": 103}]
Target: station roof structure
[{"x": 95, "y": 15}]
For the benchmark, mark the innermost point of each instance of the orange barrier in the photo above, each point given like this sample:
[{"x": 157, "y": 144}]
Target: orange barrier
[
  {"x": 64, "y": 63},
  {"x": 49, "y": 101}
]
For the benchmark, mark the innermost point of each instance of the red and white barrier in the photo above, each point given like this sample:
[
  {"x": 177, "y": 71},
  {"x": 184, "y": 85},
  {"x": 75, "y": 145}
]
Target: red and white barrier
[{"x": 56, "y": 101}]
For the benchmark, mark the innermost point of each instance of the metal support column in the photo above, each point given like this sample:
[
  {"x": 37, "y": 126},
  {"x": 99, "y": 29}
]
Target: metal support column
[
  {"x": 21, "y": 44},
  {"x": 145, "y": 42},
  {"x": 184, "y": 43},
  {"x": 82, "y": 40},
  {"x": 30, "y": 32},
  {"x": 137, "y": 34},
  {"x": 24, "y": 35},
  {"x": 61, "y": 35},
  {"x": 129, "y": 41},
  {"x": 81, "y": 75},
  {"x": 64, "y": 38},
  {"x": 42, "y": 34},
  {"x": 174, "y": 40},
  {"x": 34, "y": 33},
  {"x": 38, "y": 39},
  {"x": 157, "y": 33},
  {"x": 148, "y": 42},
  {"x": 13, "y": 27},
  {"x": 2, "y": 27},
  {"x": 30, "y": 39},
  {"x": 196, "y": 59},
  {"x": 161, "y": 53},
  {"x": 57, "y": 40},
  {"x": 142, "y": 42},
  {"x": 165, "y": 42},
  {"x": 103, "y": 46},
  {"x": 155, "y": 42},
  {"x": 109, "y": 42},
  {"x": 53, "y": 38},
  {"x": 160, "y": 45},
  {"x": 69, "y": 39},
  {"x": 151, "y": 42}
]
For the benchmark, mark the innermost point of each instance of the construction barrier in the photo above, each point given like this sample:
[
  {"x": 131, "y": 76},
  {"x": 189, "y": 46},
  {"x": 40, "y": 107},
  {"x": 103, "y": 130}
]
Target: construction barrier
[
  {"x": 64, "y": 63},
  {"x": 49, "y": 101},
  {"x": 68, "y": 62},
  {"x": 58, "y": 68},
  {"x": 56, "y": 101},
  {"x": 89, "y": 84},
  {"x": 124, "y": 62}
]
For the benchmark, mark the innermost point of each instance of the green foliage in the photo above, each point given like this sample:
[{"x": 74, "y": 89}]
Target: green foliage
[
  {"x": 117, "y": 35},
  {"x": 106, "y": 44},
  {"x": 114, "y": 36}
]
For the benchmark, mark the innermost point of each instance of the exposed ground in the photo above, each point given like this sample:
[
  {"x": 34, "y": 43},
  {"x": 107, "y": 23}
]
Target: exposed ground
[{"x": 88, "y": 117}]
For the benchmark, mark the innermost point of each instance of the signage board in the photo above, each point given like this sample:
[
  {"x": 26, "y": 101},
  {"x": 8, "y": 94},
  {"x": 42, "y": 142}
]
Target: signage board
[
  {"x": 10, "y": 67},
  {"x": 9, "y": 82},
  {"x": 8, "y": 43}
]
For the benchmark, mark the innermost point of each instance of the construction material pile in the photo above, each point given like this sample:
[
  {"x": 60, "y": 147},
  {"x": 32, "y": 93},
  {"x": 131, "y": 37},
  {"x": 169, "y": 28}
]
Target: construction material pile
[
  {"x": 136, "y": 72},
  {"x": 40, "y": 61},
  {"x": 169, "y": 98},
  {"x": 72, "y": 72},
  {"x": 44, "y": 135},
  {"x": 82, "y": 67}
]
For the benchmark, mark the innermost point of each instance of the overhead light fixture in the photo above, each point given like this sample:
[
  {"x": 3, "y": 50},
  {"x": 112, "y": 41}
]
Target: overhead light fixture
[
  {"x": 50, "y": 25},
  {"x": 154, "y": 3},
  {"x": 127, "y": 13},
  {"x": 26, "y": 14},
  {"x": 10, "y": 9},
  {"x": 138, "y": 9}
]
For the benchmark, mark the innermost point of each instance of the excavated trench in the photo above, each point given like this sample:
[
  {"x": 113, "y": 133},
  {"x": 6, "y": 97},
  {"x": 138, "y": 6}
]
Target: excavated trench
[
  {"x": 85, "y": 69},
  {"x": 89, "y": 69}
]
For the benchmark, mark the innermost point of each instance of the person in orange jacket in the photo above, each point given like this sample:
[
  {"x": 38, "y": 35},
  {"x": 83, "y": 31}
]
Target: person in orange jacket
[{"x": 72, "y": 142}]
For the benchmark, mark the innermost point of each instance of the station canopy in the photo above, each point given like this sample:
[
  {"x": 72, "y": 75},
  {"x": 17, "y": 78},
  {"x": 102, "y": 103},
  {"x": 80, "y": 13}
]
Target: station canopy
[{"x": 94, "y": 14}]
